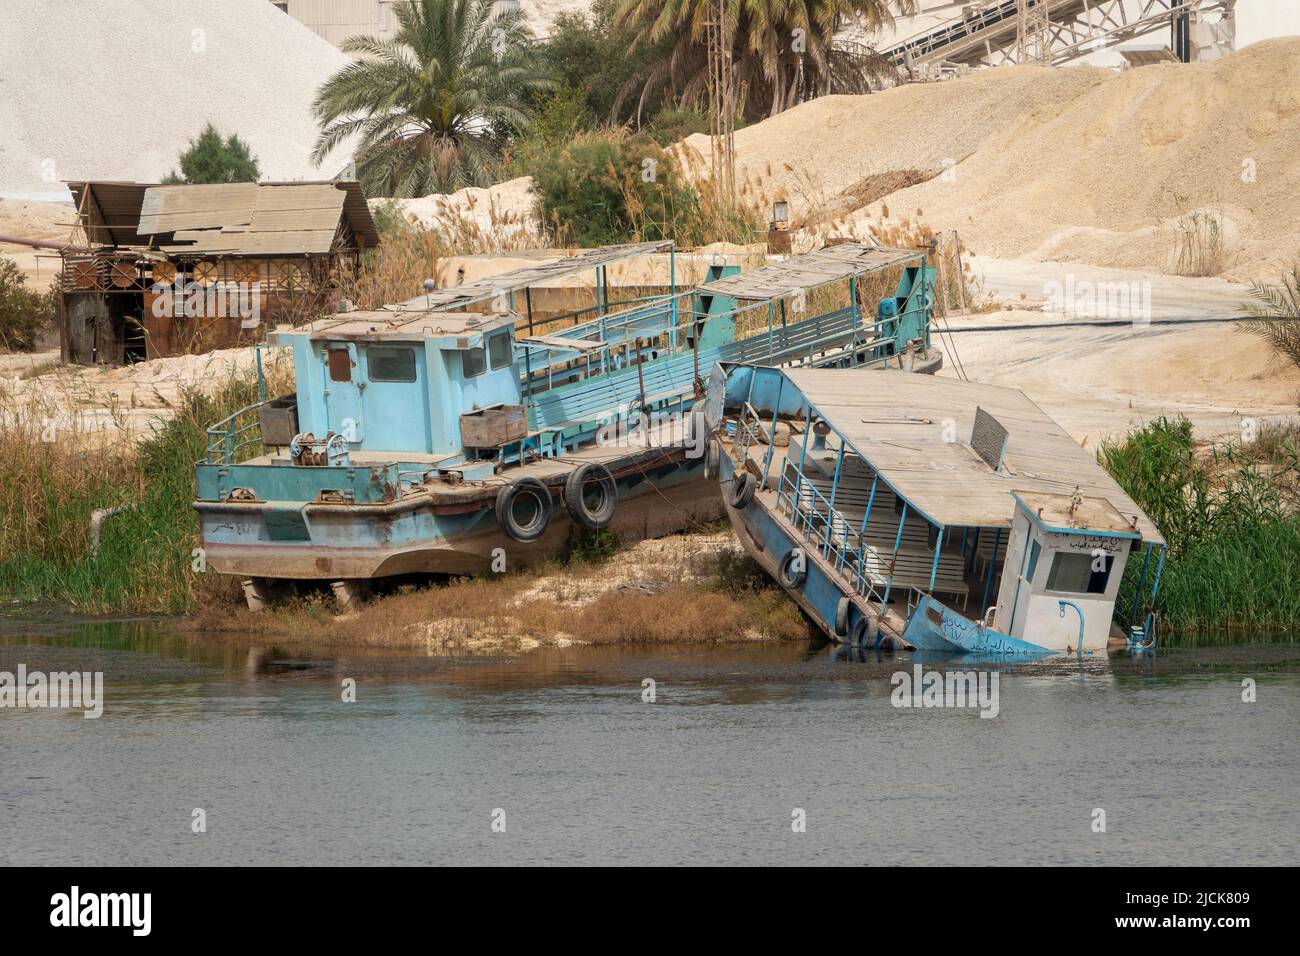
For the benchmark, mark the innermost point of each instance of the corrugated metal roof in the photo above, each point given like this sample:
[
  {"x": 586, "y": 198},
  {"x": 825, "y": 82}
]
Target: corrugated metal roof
[
  {"x": 231, "y": 219},
  {"x": 456, "y": 297},
  {"x": 901, "y": 423},
  {"x": 809, "y": 271}
]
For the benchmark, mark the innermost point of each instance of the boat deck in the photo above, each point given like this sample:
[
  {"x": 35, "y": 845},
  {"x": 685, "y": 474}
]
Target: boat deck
[
  {"x": 661, "y": 445},
  {"x": 906, "y": 560}
]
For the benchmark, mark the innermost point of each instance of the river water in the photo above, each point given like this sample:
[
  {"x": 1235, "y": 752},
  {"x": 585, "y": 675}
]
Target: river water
[{"x": 741, "y": 744}]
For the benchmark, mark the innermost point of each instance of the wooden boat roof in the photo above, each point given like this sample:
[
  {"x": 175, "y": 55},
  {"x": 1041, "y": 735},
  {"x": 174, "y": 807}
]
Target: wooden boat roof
[
  {"x": 898, "y": 422},
  {"x": 460, "y": 296},
  {"x": 407, "y": 327},
  {"x": 809, "y": 271}
]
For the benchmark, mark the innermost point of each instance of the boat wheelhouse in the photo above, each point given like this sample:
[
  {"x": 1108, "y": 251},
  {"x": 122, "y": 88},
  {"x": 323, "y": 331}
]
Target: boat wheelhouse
[
  {"x": 931, "y": 513},
  {"x": 437, "y": 435}
]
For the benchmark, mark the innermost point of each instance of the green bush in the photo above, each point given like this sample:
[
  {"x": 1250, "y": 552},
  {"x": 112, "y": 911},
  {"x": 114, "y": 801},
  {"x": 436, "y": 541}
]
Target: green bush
[
  {"x": 606, "y": 187},
  {"x": 1234, "y": 541},
  {"x": 210, "y": 159},
  {"x": 673, "y": 124},
  {"x": 23, "y": 311}
]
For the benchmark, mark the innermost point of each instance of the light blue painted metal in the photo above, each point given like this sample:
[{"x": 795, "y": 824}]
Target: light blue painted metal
[
  {"x": 1079, "y": 611},
  {"x": 938, "y": 548},
  {"x": 933, "y": 626}
]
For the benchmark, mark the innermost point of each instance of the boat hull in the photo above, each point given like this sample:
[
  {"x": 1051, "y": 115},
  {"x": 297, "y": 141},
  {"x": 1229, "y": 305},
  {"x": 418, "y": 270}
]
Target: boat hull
[{"x": 365, "y": 542}]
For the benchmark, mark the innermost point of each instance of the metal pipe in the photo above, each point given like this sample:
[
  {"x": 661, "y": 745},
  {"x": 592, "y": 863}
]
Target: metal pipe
[
  {"x": 97, "y": 519},
  {"x": 1079, "y": 611},
  {"x": 42, "y": 244}
]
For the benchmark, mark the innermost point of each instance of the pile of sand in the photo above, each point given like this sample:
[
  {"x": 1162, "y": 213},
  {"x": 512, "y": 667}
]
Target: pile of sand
[
  {"x": 500, "y": 217},
  {"x": 1076, "y": 163},
  {"x": 115, "y": 89}
]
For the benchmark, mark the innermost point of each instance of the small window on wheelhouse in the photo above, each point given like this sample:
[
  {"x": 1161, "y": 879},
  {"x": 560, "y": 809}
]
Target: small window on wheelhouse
[
  {"x": 499, "y": 350},
  {"x": 472, "y": 362},
  {"x": 340, "y": 365},
  {"x": 1074, "y": 573},
  {"x": 391, "y": 364}
]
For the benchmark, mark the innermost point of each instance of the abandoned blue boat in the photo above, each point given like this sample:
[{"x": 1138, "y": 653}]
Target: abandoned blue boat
[
  {"x": 458, "y": 433},
  {"x": 930, "y": 513}
]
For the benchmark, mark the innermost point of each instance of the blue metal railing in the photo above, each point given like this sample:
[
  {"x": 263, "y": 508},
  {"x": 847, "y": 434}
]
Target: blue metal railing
[
  {"x": 229, "y": 438},
  {"x": 812, "y": 513}
]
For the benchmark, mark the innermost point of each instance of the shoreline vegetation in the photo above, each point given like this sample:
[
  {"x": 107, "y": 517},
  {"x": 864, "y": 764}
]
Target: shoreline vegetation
[{"x": 1230, "y": 510}]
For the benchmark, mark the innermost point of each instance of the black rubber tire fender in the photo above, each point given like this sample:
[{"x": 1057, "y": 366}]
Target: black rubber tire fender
[
  {"x": 510, "y": 524},
  {"x": 842, "y": 617},
  {"x": 742, "y": 490},
  {"x": 866, "y": 630},
  {"x": 792, "y": 580},
  {"x": 575, "y": 498}
]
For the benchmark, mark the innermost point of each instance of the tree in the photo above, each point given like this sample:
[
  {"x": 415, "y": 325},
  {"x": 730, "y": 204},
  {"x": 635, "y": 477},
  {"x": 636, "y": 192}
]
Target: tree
[
  {"x": 23, "y": 312},
  {"x": 210, "y": 159},
  {"x": 782, "y": 49},
  {"x": 585, "y": 52},
  {"x": 1275, "y": 317},
  {"x": 434, "y": 104}
]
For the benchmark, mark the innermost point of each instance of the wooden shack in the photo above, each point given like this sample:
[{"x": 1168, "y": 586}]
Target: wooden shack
[{"x": 169, "y": 270}]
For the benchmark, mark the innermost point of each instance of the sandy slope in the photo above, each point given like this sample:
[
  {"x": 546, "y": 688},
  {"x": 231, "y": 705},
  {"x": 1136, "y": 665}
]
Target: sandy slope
[
  {"x": 35, "y": 220},
  {"x": 1074, "y": 163}
]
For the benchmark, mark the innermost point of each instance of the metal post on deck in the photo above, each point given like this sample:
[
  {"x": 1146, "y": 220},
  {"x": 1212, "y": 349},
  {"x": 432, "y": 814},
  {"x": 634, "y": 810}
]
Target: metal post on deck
[
  {"x": 600, "y": 316},
  {"x": 993, "y": 563},
  {"x": 898, "y": 543},
  {"x": 1160, "y": 567},
  {"x": 853, "y": 294},
  {"x": 862, "y": 532},
  {"x": 528, "y": 352},
  {"x": 830, "y": 505},
  {"x": 771, "y": 439},
  {"x": 771, "y": 318},
  {"x": 938, "y": 548},
  {"x": 1142, "y": 583}
]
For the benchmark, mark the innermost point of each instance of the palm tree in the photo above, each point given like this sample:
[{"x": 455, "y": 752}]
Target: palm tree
[
  {"x": 782, "y": 49},
  {"x": 1275, "y": 317},
  {"x": 433, "y": 104}
]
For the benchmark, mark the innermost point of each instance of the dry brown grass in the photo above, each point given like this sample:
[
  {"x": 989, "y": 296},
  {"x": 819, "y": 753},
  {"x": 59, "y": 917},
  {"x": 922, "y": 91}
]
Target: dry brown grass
[{"x": 682, "y": 595}]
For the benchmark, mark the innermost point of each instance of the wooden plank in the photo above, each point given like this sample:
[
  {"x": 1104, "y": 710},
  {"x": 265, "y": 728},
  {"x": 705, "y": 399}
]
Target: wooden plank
[{"x": 560, "y": 342}]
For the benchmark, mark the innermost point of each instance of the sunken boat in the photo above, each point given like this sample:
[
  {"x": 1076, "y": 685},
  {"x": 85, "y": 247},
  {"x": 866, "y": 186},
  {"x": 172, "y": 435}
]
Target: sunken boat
[
  {"x": 460, "y": 432},
  {"x": 933, "y": 514}
]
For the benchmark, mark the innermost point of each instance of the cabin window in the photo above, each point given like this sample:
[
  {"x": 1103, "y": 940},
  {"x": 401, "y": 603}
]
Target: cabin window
[
  {"x": 391, "y": 365},
  {"x": 1034, "y": 549},
  {"x": 499, "y": 350},
  {"x": 1073, "y": 573},
  {"x": 340, "y": 365},
  {"x": 472, "y": 362}
]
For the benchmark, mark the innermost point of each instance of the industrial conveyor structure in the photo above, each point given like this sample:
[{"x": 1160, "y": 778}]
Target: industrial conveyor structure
[{"x": 1049, "y": 31}]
